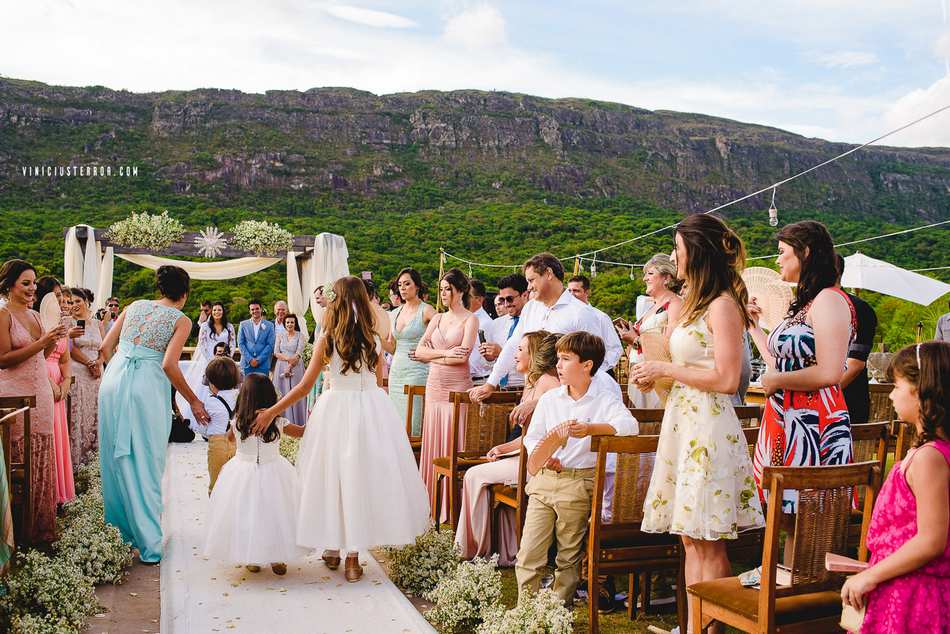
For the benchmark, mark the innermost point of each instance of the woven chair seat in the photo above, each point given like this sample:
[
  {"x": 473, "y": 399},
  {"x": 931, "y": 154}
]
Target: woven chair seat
[{"x": 730, "y": 594}]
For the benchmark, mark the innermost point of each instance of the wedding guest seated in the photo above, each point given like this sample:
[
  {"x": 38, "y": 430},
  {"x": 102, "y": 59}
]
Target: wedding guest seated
[
  {"x": 536, "y": 359},
  {"x": 560, "y": 494}
]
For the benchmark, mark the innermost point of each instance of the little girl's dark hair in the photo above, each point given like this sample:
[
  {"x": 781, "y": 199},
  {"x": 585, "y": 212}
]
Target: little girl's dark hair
[
  {"x": 257, "y": 392},
  {"x": 927, "y": 367}
]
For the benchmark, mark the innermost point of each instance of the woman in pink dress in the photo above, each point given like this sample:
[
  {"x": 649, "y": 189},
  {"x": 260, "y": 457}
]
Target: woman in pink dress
[
  {"x": 23, "y": 372},
  {"x": 536, "y": 359},
  {"x": 59, "y": 369},
  {"x": 446, "y": 345},
  {"x": 906, "y": 588}
]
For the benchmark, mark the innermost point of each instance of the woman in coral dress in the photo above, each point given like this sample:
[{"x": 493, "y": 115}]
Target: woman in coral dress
[
  {"x": 23, "y": 372},
  {"x": 446, "y": 346},
  {"x": 60, "y": 378}
]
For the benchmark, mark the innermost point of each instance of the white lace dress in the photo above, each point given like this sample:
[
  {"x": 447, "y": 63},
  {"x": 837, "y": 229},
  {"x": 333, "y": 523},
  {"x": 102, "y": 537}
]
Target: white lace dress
[{"x": 360, "y": 486}]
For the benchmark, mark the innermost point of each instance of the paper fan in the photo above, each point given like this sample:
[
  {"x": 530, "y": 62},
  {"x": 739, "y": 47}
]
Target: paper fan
[
  {"x": 656, "y": 347},
  {"x": 552, "y": 441},
  {"x": 50, "y": 313},
  {"x": 770, "y": 293}
]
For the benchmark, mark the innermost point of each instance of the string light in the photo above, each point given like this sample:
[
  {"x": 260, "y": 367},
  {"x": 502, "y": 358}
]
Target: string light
[{"x": 773, "y": 211}]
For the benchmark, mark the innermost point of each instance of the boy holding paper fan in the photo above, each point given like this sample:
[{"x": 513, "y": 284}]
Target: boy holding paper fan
[{"x": 560, "y": 493}]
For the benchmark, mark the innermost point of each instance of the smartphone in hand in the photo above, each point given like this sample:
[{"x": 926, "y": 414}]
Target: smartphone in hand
[
  {"x": 481, "y": 336},
  {"x": 81, "y": 323}
]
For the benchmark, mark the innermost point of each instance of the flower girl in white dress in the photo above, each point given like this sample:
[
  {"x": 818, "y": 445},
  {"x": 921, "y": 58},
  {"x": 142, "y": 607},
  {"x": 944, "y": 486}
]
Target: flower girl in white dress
[
  {"x": 360, "y": 486},
  {"x": 255, "y": 499}
]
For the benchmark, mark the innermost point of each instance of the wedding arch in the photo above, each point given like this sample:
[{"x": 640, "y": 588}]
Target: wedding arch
[{"x": 312, "y": 262}]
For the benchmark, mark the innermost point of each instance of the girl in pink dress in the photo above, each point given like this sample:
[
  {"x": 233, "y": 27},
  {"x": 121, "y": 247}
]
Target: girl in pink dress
[
  {"x": 60, "y": 377},
  {"x": 23, "y": 372},
  {"x": 906, "y": 588},
  {"x": 446, "y": 345}
]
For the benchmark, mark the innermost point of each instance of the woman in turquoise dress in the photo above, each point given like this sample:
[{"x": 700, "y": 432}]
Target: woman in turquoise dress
[
  {"x": 135, "y": 410},
  {"x": 409, "y": 324}
]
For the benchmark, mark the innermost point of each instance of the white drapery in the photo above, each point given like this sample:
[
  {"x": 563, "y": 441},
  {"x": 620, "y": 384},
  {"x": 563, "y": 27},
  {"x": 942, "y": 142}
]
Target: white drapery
[
  {"x": 226, "y": 270},
  {"x": 90, "y": 268}
]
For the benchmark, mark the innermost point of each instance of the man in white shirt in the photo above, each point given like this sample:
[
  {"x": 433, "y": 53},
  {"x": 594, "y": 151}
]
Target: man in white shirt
[
  {"x": 555, "y": 310},
  {"x": 512, "y": 296},
  {"x": 579, "y": 286},
  {"x": 560, "y": 493},
  {"x": 478, "y": 366}
]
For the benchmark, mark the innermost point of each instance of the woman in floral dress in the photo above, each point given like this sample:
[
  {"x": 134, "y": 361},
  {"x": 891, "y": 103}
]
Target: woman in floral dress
[
  {"x": 806, "y": 420},
  {"x": 702, "y": 487},
  {"x": 87, "y": 365}
]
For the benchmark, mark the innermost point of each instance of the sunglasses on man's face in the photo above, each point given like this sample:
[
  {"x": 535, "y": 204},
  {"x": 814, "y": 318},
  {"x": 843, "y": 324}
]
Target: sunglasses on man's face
[
  {"x": 113, "y": 305},
  {"x": 506, "y": 299}
]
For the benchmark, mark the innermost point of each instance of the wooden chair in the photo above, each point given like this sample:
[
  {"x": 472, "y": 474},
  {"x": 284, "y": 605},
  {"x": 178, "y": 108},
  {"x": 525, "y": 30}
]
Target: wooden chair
[
  {"x": 812, "y": 603},
  {"x": 869, "y": 441},
  {"x": 19, "y": 473},
  {"x": 486, "y": 425},
  {"x": 411, "y": 392},
  {"x": 619, "y": 545},
  {"x": 881, "y": 407},
  {"x": 750, "y": 415},
  {"x": 904, "y": 435},
  {"x": 511, "y": 496}
]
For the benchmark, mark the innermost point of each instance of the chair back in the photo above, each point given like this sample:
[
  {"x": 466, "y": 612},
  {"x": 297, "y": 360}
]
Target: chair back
[
  {"x": 825, "y": 499},
  {"x": 648, "y": 420},
  {"x": 486, "y": 424},
  {"x": 19, "y": 472},
  {"x": 635, "y": 458},
  {"x": 750, "y": 415},
  {"x": 881, "y": 406},
  {"x": 412, "y": 393},
  {"x": 905, "y": 436}
]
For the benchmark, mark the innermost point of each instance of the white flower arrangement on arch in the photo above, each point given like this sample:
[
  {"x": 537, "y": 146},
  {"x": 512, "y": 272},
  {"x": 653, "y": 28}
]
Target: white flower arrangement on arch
[
  {"x": 262, "y": 238},
  {"x": 146, "y": 231}
]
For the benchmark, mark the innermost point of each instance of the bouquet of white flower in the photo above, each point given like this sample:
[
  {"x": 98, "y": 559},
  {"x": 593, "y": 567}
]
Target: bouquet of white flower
[
  {"x": 45, "y": 594},
  {"x": 464, "y": 597},
  {"x": 261, "y": 237},
  {"x": 145, "y": 231},
  {"x": 418, "y": 568},
  {"x": 96, "y": 548},
  {"x": 543, "y": 613}
]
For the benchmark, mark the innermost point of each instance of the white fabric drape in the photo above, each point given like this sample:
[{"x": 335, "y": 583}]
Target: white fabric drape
[
  {"x": 103, "y": 289},
  {"x": 93, "y": 254},
  {"x": 328, "y": 263},
  {"x": 72, "y": 259},
  {"x": 295, "y": 300},
  {"x": 227, "y": 270}
]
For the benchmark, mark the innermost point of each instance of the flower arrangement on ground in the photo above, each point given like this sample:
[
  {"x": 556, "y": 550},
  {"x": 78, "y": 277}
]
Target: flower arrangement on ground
[
  {"x": 45, "y": 594},
  {"x": 464, "y": 597},
  {"x": 419, "y": 567},
  {"x": 145, "y": 231},
  {"x": 261, "y": 237},
  {"x": 543, "y": 613}
]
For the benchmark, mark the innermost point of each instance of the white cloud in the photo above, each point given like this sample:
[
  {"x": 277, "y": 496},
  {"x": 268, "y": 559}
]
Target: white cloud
[
  {"x": 369, "y": 17},
  {"x": 843, "y": 59},
  {"x": 478, "y": 27},
  {"x": 932, "y": 132}
]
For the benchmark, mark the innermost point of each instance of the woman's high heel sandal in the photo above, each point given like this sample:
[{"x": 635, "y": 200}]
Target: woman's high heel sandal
[
  {"x": 331, "y": 560},
  {"x": 353, "y": 570}
]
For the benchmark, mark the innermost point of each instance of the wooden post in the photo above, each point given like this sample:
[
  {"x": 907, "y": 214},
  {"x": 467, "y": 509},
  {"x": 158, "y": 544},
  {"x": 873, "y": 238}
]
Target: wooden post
[
  {"x": 577, "y": 264},
  {"x": 438, "y": 296}
]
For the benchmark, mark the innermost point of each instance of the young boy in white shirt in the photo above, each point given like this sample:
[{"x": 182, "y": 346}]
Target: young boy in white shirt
[
  {"x": 219, "y": 400},
  {"x": 560, "y": 494}
]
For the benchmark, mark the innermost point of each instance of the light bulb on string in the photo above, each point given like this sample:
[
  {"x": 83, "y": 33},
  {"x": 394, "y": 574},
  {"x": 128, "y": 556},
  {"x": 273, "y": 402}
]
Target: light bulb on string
[
  {"x": 633, "y": 277},
  {"x": 773, "y": 211},
  {"x": 593, "y": 268}
]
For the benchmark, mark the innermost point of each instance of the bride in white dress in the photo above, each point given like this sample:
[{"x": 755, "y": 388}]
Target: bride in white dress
[
  {"x": 360, "y": 486},
  {"x": 215, "y": 330}
]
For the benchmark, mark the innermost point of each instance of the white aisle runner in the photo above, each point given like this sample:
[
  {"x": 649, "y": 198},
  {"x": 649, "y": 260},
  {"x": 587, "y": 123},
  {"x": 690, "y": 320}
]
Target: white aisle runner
[{"x": 200, "y": 595}]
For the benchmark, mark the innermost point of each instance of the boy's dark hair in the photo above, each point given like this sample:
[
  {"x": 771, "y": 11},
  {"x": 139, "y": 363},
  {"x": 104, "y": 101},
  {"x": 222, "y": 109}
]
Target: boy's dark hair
[
  {"x": 257, "y": 392},
  {"x": 586, "y": 346},
  {"x": 478, "y": 287},
  {"x": 546, "y": 262},
  {"x": 583, "y": 279},
  {"x": 515, "y": 281},
  {"x": 222, "y": 373}
]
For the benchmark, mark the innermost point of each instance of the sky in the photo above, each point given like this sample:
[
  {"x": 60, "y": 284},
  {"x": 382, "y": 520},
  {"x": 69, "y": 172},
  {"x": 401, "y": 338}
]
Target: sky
[{"x": 841, "y": 70}]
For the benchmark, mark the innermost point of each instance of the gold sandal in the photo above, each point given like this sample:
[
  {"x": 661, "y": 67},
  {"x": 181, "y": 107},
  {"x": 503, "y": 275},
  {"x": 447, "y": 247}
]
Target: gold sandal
[{"x": 332, "y": 561}]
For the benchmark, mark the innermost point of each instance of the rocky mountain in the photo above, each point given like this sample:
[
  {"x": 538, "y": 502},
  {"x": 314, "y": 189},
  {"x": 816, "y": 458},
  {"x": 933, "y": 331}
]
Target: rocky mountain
[{"x": 227, "y": 147}]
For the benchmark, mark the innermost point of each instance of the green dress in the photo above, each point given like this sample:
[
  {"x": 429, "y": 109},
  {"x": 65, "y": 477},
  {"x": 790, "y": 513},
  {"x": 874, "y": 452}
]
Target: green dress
[
  {"x": 405, "y": 371},
  {"x": 135, "y": 417}
]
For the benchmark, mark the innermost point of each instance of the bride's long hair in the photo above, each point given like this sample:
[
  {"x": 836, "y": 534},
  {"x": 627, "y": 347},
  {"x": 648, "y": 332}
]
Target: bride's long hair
[{"x": 349, "y": 324}]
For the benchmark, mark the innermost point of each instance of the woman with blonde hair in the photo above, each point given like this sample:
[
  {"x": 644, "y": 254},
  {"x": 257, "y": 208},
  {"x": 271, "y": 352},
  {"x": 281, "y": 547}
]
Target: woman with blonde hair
[
  {"x": 359, "y": 483},
  {"x": 662, "y": 286},
  {"x": 536, "y": 359},
  {"x": 702, "y": 487}
]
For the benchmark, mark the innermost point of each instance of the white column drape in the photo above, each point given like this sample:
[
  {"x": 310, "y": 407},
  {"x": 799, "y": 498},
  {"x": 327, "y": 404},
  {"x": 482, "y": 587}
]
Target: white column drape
[
  {"x": 329, "y": 262},
  {"x": 103, "y": 289},
  {"x": 227, "y": 270},
  {"x": 295, "y": 298},
  {"x": 72, "y": 259},
  {"x": 93, "y": 255}
]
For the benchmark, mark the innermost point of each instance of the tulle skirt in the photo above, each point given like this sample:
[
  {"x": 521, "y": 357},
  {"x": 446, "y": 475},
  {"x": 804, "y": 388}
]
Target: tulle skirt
[
  {"x": 253, "y": 513},
  {"x": 360, "y": 486}
]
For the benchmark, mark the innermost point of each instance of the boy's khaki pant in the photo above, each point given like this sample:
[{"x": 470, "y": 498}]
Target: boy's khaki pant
[
  {"x": 220, "y": 450},
  {"x": 559, "y": 508}
]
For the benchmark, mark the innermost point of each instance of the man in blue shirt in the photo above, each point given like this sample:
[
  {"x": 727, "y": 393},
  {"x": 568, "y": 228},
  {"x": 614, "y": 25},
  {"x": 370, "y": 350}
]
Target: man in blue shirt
[{"x": 256, "y": 341}]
